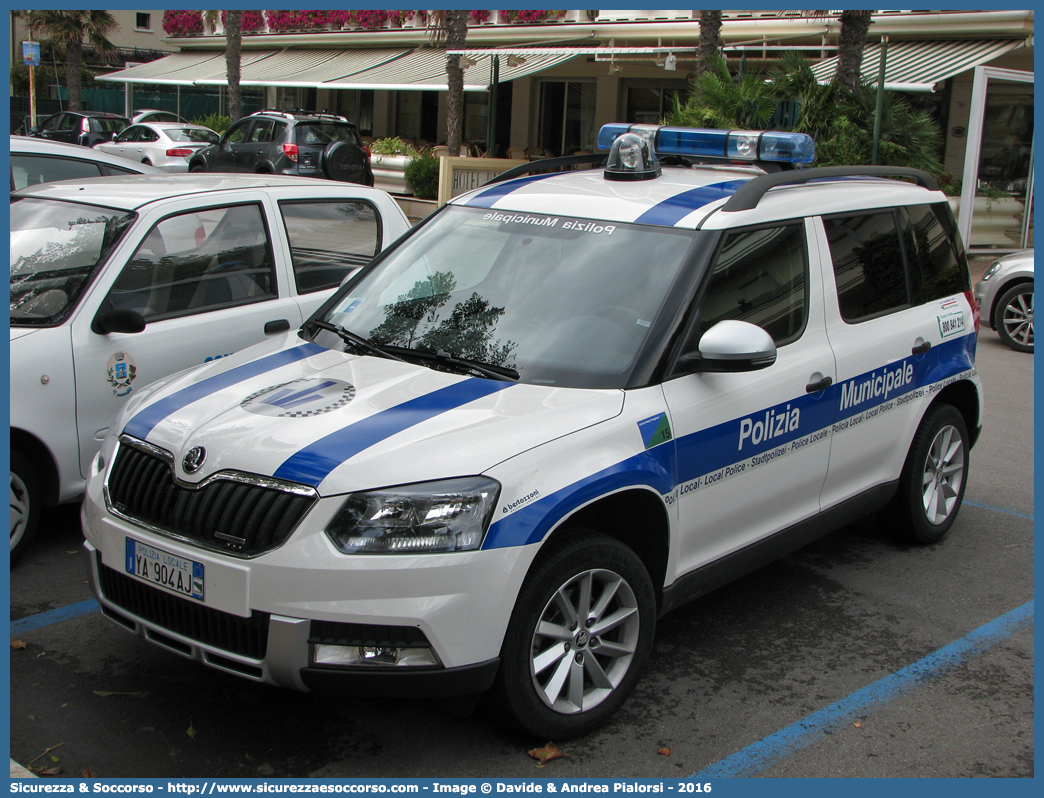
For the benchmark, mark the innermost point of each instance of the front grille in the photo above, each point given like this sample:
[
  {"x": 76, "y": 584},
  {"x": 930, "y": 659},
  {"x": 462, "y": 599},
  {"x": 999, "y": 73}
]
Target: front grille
[
  {"x": 232, "y": 515},
  {"x": 247, "y": 637}
]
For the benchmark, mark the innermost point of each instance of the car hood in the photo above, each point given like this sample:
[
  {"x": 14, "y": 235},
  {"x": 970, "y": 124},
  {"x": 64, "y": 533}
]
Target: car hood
[{"x": 340, "y": 422}]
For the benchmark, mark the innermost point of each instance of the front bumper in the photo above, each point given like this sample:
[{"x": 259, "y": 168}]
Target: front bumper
[{"x": 261, "y": 614}]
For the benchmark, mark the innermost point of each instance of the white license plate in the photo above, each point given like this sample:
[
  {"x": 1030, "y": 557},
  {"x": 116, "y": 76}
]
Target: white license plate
[{"x": 170, "y": 571}]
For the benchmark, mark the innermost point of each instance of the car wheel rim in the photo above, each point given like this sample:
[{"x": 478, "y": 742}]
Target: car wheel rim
[
  {"x": 1018, "y": 319},
  {"x": 943, "y": 474},
  {"x": 585, "y": 641},
  {"x": 19, "y": 509}
]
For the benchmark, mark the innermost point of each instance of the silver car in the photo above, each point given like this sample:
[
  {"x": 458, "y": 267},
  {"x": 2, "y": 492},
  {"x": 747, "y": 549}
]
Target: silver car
[
  {"x": 40, "y": 161},
  {"x": 165, "y": 145},
  {"x": 1005, "y": 297}
]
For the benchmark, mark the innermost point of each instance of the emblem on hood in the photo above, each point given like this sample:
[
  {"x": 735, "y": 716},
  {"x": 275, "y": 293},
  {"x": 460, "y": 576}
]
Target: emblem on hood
[
  {"x": 194, "y": 459},
  {"x": 299, "y": 399}
]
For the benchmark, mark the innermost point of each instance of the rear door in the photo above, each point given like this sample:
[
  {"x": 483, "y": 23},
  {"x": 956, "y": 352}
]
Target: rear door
[
  {"x": 209, "y": 280},
  {"x": 900, "y": 323}
]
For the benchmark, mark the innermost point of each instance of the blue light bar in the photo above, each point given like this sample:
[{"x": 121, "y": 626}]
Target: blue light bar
[{"x": 736, "y": 145}]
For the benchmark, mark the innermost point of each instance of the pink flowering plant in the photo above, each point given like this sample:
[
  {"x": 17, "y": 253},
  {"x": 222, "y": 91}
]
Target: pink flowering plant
[
  {"x": 478, "y": 17},
  {"x": 297, "y": 20},
  {"x": 525, "y": 17},
  {"x": 182, "y": 23},
  {"x": 252, "y": 21}
]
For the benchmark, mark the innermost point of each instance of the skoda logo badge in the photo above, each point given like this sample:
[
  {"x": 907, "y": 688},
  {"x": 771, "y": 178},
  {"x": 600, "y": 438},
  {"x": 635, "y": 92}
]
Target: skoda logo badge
[{"x": 194, "y": 459}]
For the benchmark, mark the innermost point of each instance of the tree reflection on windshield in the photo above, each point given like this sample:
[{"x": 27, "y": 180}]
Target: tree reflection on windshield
[{"x": 467, "y": 332}]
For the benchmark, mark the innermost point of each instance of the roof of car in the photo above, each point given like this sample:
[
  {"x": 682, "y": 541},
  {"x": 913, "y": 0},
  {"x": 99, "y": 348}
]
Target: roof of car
[
  {"x": 34, "y": 146},
  {"x": 686, "y": 197},
  {"x": 131, "y": 192},
  {"x": 171, "y": 125}
]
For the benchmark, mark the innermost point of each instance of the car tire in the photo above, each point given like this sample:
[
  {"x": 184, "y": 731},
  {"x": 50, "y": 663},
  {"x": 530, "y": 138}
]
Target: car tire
[
  {"x": 197, "y": 167},
  {"x": 1015, "y": 317},
  {"x": 343, "y": 161},
  {"x": 932, "y": 483},
  {"x": 552, "y": 681},
  {"x": 26, "y": 505}
]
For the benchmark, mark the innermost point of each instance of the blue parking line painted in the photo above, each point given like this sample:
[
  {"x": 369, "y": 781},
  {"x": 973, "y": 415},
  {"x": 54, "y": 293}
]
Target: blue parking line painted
[
  {"x": 53, "y": 616},
  {"x": 772, "y": 749},
  {"x": 992, "y": 508}
]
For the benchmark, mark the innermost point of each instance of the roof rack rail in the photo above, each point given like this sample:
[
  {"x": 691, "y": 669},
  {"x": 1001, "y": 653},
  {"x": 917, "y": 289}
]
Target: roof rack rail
[
  {"x": 549, "y": 163},
  {"x": 749, "y": 194}
]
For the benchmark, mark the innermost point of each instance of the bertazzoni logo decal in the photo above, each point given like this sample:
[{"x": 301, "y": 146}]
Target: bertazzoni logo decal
[{"x": 300, "y": 398}]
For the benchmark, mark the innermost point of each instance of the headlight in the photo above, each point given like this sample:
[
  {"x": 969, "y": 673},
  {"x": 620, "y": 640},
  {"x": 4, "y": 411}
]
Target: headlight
[
  {"x": 994, "y": 268},
  {"x": 450, "y": 515}
]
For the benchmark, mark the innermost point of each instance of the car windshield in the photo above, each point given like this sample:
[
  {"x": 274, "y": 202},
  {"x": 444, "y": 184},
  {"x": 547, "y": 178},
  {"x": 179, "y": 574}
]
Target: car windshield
[
  {"x": 319, "y": 134},
  {"x": 109, "y": 124},
  {"x": 56, "y": 249},
  {"x": 563, "y": 301},
  {"x": 191, "y": 135}
]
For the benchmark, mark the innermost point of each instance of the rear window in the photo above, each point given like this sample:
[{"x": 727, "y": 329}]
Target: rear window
[
  {"x": 108, "y": 124},
  {"x": 319, "y": 134},
  {"x": 191, "y": 135}
]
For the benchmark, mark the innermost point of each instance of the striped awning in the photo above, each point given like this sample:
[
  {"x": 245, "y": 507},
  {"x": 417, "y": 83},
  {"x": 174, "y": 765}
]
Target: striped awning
[
  {"x": 420, "y": 69},
  {"x": 922, "y": 63}
]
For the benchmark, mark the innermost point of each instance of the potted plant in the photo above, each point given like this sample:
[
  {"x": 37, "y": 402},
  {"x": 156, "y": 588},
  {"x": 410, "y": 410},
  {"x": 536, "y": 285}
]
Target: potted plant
[
  {"x": 183, "y": 23},
  {"x": 391, "y": 156}
]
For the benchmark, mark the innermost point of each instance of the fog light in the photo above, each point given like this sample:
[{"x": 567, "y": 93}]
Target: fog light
[{"x": 374, "y": 656}]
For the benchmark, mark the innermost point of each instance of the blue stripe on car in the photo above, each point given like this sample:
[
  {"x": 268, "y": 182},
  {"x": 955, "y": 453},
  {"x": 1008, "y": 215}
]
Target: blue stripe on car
[
  {"x": 144, "y": 422},
  {"x": 671, "y": 211},
  {"x": 486, "y": 198},
  {"x": 667, "y": 466},
  {"x": 312, "y": 464}
]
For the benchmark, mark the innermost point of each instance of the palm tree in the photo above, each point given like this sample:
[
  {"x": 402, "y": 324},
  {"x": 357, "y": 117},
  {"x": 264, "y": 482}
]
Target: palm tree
[
  {"x": 851, "y": 43},
  {"x": 68, "y": 30},
  {"x": 710, "y": 29},
  {"x": 718, "y": 101},
  {"x": 450, "y": 28},
  {"x": 233, "y": 46}
]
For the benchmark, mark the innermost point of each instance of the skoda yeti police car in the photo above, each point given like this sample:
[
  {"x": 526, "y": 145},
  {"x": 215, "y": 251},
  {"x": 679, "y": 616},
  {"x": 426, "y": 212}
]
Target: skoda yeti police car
[{"x": 560, "y": 407}]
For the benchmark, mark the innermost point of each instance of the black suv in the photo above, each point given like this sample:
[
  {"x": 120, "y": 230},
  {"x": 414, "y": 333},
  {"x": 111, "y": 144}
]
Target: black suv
[
  {"x": 80, "y": 127},
  {"x": 299, "y": 143}
]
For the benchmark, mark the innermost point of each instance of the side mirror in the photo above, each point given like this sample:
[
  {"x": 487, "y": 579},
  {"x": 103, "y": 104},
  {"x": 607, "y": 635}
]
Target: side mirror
[
  {"x": 733, "y": 346},
  {"x": 118, "y": 320}
]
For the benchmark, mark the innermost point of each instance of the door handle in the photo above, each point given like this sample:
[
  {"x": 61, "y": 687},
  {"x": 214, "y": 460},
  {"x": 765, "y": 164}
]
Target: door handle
[
  {"x": 280, "y": 325},
  {"x": 819, "y": 385},
  {"x": 920, "y": 349}
]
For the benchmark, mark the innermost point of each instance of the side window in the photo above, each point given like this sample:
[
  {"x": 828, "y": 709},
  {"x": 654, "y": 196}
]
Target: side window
[
  {"x": 262, "y": 131},
  {"x": 277, "y": 131},
  {"x": 237, "y": 134},
  {"x": 760, "y": 276},
  {"x": 199, "y": 261},
  {"x": 868, "y": 265},
  {"x": 52, "y": 122},
  {"x": 28, "y": 170},
  {"x": 148, "y": 135},
  {"x": 130, "y": 134},
  {"x": 937, "y": 268},
  {"x": 68, "y": 122},
  {"x": 329, "y": 240}
]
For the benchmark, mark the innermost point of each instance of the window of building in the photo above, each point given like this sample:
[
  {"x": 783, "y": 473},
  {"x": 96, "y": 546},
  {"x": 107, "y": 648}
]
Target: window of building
[
  {"x": 142, "y": 21},
  {"x": 567, "y": 116},
  {"x": 649, "y": 102}
]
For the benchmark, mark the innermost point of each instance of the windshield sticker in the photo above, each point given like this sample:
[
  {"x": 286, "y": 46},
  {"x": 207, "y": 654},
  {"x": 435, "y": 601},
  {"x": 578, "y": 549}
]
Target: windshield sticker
[
  {"x": 590, "y": 227},
  {"x": 951, "y": 323},
  {"x": 121, "y": 372},
  {"x": 655, "y": 430},
  {"x": 518, "y": 218},
  {"x": 300, "y": 399}
]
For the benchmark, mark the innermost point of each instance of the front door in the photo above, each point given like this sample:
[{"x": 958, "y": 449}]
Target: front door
[
  {"x": 753, "y": 447},
  {"x": 207, "y": 285}
]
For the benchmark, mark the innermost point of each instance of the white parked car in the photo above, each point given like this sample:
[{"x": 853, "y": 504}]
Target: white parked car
[
  {"x": 40, "y": 161},
  {"x": 562, "y": 406},
  {"x": 165, "y": 145},
  {"x": 117, "y": 282},
  {"x": 154, "y": 115},
  {"x": 1005, "y": 294}
]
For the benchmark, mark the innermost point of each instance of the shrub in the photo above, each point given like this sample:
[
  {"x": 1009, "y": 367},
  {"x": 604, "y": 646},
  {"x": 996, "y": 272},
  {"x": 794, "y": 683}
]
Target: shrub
[
  {"x": 423, "y": 174},
  {"x": 182, "y": 23},
  {"x": 216, "y": 122},
  {"x": 392, "y": 146},
  {"x": 524, "y": 17},
  {"x": 252, "y": 21}
]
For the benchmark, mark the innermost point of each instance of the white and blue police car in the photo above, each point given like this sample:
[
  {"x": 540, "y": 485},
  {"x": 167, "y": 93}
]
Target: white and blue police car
[{"x": 563, "y": 405}]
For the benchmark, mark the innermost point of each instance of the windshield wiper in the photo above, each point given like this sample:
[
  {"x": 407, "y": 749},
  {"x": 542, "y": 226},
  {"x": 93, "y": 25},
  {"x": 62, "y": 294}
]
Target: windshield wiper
[
  {"x": 354, "y": 339},
  {"x": 490, "y": 370}
]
